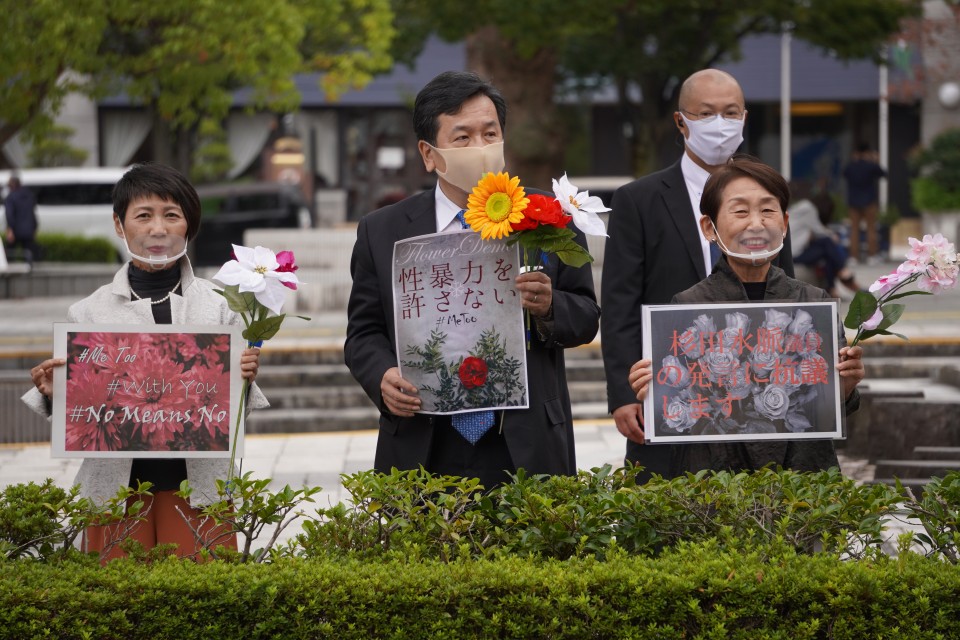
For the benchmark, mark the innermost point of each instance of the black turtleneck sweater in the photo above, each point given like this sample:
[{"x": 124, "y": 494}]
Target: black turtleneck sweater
[{"x": 165, "y": 474}]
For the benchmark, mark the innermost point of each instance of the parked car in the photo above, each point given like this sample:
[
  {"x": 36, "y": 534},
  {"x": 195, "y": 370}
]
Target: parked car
[
  {"x": 72, "y": 200},
  {"x": 230, "y": 209}
]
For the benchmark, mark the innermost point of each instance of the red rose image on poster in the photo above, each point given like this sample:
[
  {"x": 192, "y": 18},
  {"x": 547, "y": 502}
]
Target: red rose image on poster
[{"x": 473, "y": 372}]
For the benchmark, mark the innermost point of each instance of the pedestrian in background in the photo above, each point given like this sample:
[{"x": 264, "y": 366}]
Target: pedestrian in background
[
  {"x": 863, "y": 197},
  {"x": 21, "y": 205}
]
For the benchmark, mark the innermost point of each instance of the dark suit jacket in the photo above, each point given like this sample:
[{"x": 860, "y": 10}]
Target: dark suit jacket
[
  {"x": 653, "y": 253},
  {"x": 540, "y": 439}
]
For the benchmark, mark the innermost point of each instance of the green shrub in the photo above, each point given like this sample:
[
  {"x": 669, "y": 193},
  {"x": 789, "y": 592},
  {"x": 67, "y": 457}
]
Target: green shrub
[
  {"x": 696, "y": 591},
  {"x": 938, "y": 186},
  {"x": 60, "y": 247}
]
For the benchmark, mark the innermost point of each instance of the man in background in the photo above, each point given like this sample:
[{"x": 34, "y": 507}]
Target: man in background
[
  {"x": 21, "y": 205},
  {"x": 656, "y": 248},
  {"x": 863, "y": 197}
]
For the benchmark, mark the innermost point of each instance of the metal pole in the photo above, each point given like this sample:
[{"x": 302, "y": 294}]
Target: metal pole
[
  {"x": 785, "y": 132},
  {"x": 884, "y": 134}
]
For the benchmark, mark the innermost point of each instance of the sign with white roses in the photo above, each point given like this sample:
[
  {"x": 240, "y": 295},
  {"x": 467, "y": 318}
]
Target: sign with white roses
[
  {"x": 459, "y": 323},
  {"x": 729, "y": 372},
  {"x": 170, "y": 392}
]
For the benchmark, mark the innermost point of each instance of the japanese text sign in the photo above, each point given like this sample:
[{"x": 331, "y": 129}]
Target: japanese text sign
[
  {"x": 742, "y": 372},
  {"x": 171, "y": 392},
  {"x": 459, "y": 323}
]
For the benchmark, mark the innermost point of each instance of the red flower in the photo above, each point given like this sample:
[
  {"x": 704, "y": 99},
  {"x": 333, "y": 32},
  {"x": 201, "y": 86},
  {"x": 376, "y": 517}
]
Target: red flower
[
  {"x": 546, "y": 210},
  {"x": 473, "y": 372},
  {"x": 285, "y": 259}
]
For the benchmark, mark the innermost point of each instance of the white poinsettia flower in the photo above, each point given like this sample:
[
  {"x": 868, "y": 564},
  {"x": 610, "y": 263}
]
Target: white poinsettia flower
[
  {"x": 581, "y": 206},
  {"x": 257, "y": 271}
]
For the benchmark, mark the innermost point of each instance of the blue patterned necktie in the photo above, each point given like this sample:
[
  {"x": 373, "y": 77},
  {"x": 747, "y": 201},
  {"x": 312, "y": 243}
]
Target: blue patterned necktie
[{"x": 474, "y": 424}]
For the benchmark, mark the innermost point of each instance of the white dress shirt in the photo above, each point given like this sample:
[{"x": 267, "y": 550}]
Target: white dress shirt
[{"x": 695, "y": 177}]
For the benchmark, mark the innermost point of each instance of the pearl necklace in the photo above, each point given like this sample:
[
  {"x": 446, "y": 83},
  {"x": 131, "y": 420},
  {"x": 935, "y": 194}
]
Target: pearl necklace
[{"x": 161, "y": 300}]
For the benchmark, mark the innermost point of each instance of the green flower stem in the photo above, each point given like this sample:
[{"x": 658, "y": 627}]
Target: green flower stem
[
  {"x": 236, "y": 429},
  {"x": 526, "y": 312}
]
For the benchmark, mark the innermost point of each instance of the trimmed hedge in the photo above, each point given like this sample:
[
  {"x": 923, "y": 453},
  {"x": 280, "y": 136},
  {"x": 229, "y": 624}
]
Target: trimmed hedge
[
  {"x": 692, "y": 592},
  {"x": 60, "y": 247}
]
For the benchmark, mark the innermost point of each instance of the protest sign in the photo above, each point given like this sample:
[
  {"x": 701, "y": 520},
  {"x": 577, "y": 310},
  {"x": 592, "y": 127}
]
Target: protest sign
[
  {"x": 171, "y": 392},
  {"x": 728, "y": 372},
  {"x": 459, "y": 324}
]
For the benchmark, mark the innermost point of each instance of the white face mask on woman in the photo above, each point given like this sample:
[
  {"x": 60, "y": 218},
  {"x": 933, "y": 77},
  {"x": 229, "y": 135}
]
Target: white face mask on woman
[
  {"x": 466, "y": 165},
  {"x": 714, "y": 141}
]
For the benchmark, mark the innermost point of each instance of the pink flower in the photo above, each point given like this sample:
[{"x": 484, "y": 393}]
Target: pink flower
[
  {"x": 93, "y": 420},
  {"x": 937, "y": 280},
  {"x": 287, "y": 265},
  {"x": 874, "y": 321},
  {"x": 885, "y": 284}
]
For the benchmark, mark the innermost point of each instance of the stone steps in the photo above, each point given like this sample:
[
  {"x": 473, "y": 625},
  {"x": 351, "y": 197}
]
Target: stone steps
[
  {"x": 936, "y": 453},
  {"x": 914, "y": 468}
]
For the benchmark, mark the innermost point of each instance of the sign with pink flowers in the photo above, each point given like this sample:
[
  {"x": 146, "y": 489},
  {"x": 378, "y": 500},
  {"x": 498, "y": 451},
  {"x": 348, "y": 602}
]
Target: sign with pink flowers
[
  {"x": 171, "y": 392},
  {"x": 742, "y": 372},
  {"x": 459, "y": 324}
]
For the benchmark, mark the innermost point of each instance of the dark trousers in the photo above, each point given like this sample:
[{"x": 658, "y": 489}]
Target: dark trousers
[
  {"x": 823, "y": 251},
  {"x": 31, "y": 250},
  {"x": 452, "y": 455}
]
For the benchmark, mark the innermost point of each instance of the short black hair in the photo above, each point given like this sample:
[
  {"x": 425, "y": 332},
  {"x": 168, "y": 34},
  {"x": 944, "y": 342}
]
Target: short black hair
[
  {"x": 863, "y": 147},
  {"x": 445, "y": 94},
  {"x": 742, "y": 166},
  {"x": 155, "y": 179}
]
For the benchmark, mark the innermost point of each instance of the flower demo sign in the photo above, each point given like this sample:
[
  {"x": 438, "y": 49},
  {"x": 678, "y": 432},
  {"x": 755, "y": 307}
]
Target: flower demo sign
[
  {"x": 459, "y": 323},
  {"x": 167, "y": 393},
  {"x": 742, "y": 372}
]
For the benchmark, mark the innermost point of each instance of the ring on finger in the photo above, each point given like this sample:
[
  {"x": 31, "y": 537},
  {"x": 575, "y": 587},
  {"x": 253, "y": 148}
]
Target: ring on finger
[{"x": 535, "y": 296}]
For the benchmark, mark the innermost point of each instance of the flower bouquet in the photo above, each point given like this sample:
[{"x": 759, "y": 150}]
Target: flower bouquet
[
  {"x": 255, "y": 281},
  {"x": 931, "y": 264},
  {"x": 499, "y": 207}
]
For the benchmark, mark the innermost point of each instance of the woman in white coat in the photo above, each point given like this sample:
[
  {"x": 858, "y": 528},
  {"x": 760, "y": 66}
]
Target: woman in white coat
[{"x": 156, "y": 212}]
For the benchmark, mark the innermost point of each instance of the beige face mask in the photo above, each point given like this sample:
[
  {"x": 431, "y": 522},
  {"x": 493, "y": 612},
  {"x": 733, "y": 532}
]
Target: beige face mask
[{"x": 466, "y": 165}]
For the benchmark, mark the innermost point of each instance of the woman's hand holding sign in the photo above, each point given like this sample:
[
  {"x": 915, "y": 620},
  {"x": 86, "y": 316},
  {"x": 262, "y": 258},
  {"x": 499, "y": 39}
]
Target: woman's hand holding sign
[{"x": 42, "y": 375}]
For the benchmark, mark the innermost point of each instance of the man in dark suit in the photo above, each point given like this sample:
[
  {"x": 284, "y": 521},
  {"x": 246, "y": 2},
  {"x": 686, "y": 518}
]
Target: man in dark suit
[
  {"x": 656, "y": 248},
  {"x": 459, "y": 120}
]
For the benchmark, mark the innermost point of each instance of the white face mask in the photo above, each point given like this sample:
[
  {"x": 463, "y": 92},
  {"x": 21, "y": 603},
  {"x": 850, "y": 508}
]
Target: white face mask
[
  {"x": 167, "y": 249},
  {"x": 714, "y": 141},
  {"x": 466, "y": 165},
  {"x": 756, "y": 258}
]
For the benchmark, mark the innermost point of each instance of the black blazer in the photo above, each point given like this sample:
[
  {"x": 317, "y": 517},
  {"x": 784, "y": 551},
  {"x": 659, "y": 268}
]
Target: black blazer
[
  {"x": 652, "y": 253},
  {"x": 540, "y": 439}
]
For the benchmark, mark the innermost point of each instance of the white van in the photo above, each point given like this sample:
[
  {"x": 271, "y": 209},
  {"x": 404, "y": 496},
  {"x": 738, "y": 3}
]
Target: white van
[{"x": 72, "y": 200}]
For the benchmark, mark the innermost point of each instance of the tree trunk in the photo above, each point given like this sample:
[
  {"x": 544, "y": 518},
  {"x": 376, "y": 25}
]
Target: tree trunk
[{"x": 534, "y": 139}]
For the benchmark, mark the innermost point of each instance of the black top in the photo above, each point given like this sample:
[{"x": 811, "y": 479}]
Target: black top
[
  {"x": 164, "y": 474},
  {"x": 755, "y": 290}
]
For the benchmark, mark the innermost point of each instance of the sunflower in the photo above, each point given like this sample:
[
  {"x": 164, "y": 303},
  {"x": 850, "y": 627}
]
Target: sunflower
[{"x": 496, "y": 202}]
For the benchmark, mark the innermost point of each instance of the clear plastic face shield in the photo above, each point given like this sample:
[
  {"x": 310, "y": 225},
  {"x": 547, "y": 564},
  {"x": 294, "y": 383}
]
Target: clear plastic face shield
[
  {"x": 756, "y": 258},
  {"x": 156, "y": 246}
]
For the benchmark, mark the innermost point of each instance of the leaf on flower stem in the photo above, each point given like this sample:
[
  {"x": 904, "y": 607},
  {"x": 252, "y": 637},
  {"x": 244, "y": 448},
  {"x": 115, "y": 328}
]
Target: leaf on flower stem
[
  {"x": 891, "y": 313},
  {"x": 263, "y": 329},
  {"x": 242, "y": 303},
  {"x": 555, "y": 240},
  {"x": 862, "y": 308}
]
